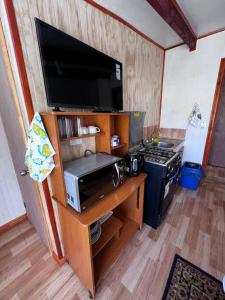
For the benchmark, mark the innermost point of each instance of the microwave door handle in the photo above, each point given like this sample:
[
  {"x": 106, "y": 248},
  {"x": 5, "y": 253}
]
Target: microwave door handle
[{"x": 117, "y": 181}]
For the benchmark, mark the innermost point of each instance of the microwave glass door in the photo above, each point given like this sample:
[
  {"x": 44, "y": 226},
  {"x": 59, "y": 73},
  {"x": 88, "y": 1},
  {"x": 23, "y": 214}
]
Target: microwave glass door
[{"x": 96, "y": 185}]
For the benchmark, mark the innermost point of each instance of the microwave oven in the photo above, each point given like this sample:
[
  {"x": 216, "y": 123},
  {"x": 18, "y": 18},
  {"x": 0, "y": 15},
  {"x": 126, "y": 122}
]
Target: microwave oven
[{"x": 89, "y": 179}]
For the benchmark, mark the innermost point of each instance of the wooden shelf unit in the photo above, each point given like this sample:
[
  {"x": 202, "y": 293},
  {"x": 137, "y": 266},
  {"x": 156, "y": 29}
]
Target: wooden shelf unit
[
  {"x": 104, "y": 259},
  {"x": 109, "y": 123},
  {"x": 88, "y": 261},
  {"x": 83, "y": 136},
  {"x": 117, "y": 147},
  {"x": 110, "y": 229}
]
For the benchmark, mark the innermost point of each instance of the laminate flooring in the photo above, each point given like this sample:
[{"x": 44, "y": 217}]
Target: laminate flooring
[{"x": 194, "y": 228}]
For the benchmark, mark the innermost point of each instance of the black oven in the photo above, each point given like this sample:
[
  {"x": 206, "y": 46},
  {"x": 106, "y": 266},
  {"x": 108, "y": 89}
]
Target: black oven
[
  {"x": 159, "y": 189},
  {"x": 167, "y": 191}
]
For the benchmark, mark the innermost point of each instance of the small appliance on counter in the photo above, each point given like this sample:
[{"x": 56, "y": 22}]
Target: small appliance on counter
[
  {"x": 91, "y": 178},
  {"x": 115, "y": 140},
  {"x": 133, "y": 164}
]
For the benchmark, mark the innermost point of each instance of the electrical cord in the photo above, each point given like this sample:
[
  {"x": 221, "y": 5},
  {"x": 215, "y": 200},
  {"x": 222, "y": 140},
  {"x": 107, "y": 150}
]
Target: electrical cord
[{"x": 88, "y": 151}]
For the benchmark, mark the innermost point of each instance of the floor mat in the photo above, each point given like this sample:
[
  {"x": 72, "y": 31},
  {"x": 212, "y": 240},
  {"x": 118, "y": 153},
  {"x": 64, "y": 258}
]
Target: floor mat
[{"x": 187, "y": 281}]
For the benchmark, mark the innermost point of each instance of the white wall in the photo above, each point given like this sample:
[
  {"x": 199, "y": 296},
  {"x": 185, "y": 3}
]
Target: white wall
[
  {"x": 191, "y": 77},
  {"x": 11, "y": 202}
]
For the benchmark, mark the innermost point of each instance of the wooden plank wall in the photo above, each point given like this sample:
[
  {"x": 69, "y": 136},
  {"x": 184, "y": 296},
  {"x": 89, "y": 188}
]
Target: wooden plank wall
[
  {"x": 142, "y": 60},
  {"x": 172, "y": 133}
]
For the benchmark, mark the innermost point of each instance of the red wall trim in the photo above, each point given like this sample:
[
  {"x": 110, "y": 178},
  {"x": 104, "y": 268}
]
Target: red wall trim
[
  {"x": 29, "y": 107},
  {"x": 175, "y": 46},
  {"x": 12, "y": 223},
  {"x": 211, "y": 33},
  {"x": 19, "y": 57},
  {"x": 199, "y": 37},
  {"x": 121, "y": 20},
  {"x": 160, "y": 107},
  {"x": 213, "y": 113}
]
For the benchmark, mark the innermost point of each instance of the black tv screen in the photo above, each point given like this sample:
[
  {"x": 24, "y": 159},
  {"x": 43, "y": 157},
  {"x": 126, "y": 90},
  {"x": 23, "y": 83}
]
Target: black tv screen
[{"x": 77, "y": 75}]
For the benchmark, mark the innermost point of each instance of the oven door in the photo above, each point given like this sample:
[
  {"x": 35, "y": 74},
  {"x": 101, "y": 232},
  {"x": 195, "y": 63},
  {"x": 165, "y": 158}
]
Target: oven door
[{"x": 167, "y": 192}]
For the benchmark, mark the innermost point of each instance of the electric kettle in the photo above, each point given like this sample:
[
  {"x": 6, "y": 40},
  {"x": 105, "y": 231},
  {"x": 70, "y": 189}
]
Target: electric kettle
[{"x": 133, "y": 164}]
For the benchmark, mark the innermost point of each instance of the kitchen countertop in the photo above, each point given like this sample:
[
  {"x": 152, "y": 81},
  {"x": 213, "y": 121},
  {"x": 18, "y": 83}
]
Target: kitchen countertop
[{"x": 178, "y": 144}]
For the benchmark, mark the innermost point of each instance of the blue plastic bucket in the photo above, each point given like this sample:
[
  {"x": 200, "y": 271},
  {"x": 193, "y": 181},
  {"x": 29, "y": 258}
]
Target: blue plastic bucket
[{"x": 191, "y": 173}]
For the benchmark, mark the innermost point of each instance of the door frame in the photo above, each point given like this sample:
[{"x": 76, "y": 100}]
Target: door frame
[
  {"x": 17, "y": 47},
  {"x": 215, "y": 106}
]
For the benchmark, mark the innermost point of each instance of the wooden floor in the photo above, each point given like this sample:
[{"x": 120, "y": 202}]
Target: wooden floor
[{"x": 194, "y": 228}]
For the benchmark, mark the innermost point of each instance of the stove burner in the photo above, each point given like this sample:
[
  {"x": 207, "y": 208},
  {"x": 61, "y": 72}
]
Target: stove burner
[{"x": 151, "y": 154}]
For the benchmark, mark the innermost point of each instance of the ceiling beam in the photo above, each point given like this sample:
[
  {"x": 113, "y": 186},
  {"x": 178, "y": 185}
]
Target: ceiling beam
[{"x": 170, "y": 11}]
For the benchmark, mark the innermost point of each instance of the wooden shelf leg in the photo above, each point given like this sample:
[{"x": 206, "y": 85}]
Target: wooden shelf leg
[{"x": 118, "y": 234}]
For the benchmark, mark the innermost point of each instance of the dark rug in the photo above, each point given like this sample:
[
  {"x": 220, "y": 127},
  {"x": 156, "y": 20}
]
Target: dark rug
[{"x": 186, "y": 281}]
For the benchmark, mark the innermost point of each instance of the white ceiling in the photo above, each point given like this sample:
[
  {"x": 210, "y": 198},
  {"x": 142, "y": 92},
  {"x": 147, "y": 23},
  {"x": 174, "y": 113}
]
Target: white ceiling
[
  {"x": 143, "y": 17},
  {"x": 204, "y": 16}
]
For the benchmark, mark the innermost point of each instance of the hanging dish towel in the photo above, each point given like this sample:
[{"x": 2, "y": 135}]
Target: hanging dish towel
[{"x": 39, "y": 154}]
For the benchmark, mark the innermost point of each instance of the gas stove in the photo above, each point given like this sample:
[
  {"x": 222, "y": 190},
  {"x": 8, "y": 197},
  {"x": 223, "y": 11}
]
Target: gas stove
[
  {"x": 156, "y": 155},
  {"x": 162, "y": 167}
]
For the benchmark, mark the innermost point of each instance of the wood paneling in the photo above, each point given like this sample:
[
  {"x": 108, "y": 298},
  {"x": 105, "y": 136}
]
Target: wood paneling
[
  {"x": 69, "y": 152},
  {"x": 172, "y": 133},
  {"x": 142, "y": 60},
  {"x": 149, "y": 131},
  {"x": 121, "y": 20}
]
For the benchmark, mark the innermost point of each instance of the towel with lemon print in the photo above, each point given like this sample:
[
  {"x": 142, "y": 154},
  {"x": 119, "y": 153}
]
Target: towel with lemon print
[{"x": 39, "y": 153}]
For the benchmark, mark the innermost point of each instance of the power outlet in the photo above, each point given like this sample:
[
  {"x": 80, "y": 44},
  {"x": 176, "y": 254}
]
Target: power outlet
[{"x": 76, "y": 142}]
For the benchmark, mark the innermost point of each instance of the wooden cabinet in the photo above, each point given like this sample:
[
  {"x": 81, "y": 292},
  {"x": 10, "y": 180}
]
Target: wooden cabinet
[
  {"x": 110, "y": 124},
  {"x": 89, "y": 261}
]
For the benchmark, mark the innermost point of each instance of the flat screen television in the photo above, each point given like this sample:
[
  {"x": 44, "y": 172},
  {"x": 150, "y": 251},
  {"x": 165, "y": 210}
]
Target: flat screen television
[{"x": 77, "y": 75}]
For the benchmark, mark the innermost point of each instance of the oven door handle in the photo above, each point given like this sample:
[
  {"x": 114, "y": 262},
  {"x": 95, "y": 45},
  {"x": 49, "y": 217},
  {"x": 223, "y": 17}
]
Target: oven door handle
[{"x": 175, "y": 175}]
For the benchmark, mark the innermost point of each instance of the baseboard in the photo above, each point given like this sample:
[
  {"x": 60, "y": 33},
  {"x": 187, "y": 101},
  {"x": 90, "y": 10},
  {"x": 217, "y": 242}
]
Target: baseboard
[
  {"x": 60, "y": 261},
  {"x": 12, "y": 223}
]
